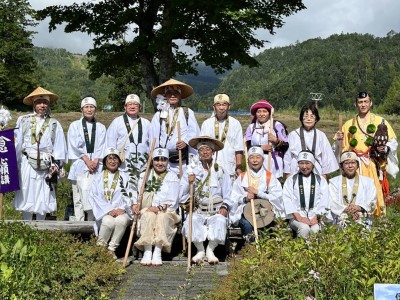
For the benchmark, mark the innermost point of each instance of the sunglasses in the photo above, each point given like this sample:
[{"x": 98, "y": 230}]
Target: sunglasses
[{"x": 362, "y": 95}]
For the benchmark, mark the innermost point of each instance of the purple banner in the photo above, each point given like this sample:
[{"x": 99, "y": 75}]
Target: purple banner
[{"x": 9, "y": 180}]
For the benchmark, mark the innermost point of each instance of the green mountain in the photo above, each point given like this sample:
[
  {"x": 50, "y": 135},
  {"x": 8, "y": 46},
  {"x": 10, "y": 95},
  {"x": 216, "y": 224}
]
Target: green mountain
[{"x": 338, "y": 67}]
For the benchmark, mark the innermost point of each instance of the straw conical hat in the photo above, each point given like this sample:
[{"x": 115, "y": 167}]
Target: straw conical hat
[
  {"x": 186, "y": 89},
  {"x": 263, "y": 211},
  {"x": 218, "y": 145},
  {"x": 28, "y": 100}
]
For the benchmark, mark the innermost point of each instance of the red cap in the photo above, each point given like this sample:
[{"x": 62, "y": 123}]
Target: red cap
[{"x": 260, "y": 104}]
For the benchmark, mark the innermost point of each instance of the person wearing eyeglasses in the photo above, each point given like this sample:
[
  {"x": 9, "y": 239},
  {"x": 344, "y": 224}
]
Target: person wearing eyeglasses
[
  {"x": 305, "y": 197},
  {"x": 164, "y": 124},
  {"x": 130, "y": 134},
  {"x": 111, "y": 204},
  {"x": 41, "y": 153},
  {"x": 373, "y": 140},
  {"x": 351, "y": 196},
  {"x": 158, "y": 218},
  {"x": 228, "y": 131},
  {"x": 308, "y": 137}
]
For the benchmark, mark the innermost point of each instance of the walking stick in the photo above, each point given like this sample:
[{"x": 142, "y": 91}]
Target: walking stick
[
  {"x": 271, "y": 127},
  {"x": 253, "y": 209},
  {"x": 340, "y": 141},
  {"x": 140, "y": 198},
  {"x": 180, "y": 176},
  {"x": 191, "y": 188}
]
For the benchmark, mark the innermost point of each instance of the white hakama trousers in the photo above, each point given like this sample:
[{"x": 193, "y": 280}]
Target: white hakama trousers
[
  {"x": 112, "y": 230},
  {"x": 157, "y": 229},
  {"x": 208, "y": 227}
]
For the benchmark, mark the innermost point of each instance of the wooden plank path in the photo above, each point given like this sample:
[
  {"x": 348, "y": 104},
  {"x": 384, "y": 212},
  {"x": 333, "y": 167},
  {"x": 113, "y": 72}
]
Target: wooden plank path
[{"x": 169, "y": 281}]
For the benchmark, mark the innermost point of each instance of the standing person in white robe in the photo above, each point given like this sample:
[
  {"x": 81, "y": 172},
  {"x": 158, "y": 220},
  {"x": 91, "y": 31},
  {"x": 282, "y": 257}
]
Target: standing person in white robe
[
  {"x": 164, "y": 124},
  {"x": 351, "y": 195},
  {"x": 212, "y": 191},
  {"x": 305, "y": 197},
  {"x": 262, "y": 185},
  {"x": 129, "y": 133},
  {"x": 111, "y": 207},
  {"x": 41, "y": 152},
  {"x": 227, "y": 130},
  {"x": 308, "y": 137},
  {"x": 86, "y": 142},
  {"x": 158, "y": 217},
  {"x": 258, "y": 134}
]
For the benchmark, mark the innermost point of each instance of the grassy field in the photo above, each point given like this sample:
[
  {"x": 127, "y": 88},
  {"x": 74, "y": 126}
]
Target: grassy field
[{"x": 328, "y": 124}]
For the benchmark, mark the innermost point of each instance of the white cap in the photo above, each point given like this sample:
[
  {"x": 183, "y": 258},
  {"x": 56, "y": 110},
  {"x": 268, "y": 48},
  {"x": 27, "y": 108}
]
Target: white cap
[
  {"x": 109, "y": 151},
  {"x": 160, "y": 152},
  {"x": 88, "y": 101},
  {"x": 348, "y": 155},
  {"x": 306, "y": 156},
  {"x": 221, "y": 98},
  {"x": 256, "y": 150},
  {"x": 132, "y": 98}
]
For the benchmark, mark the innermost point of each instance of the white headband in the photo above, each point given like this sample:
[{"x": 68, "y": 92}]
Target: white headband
[
  {"x": 256, "y": 150},
  {"x": 45, "y": 97},
  {"x": 206, "y": 144},
  {"x": 88, "y": 101},
  {"x": 348, "y": 155},
  {"x": 160, "y": 152},
  {"x": 306, "y": 156}
]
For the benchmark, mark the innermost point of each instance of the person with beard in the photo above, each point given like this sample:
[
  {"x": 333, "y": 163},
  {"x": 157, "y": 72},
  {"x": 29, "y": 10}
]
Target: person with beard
[
  {"x": 308, "y": 137},
  {"x": 351, "y": 195},
  {"x": 305, "y": 197},
  {"x": 164, "y": 123},
  {"x": 212, "y": 203},
  {"x": 376, "y": 148},
  {"x": 111, "y": 205},
  {"x": 258, "y": 134},
  {"x": 260, "y": 185},
  {"x": 86, "y": 142},
  {"x": 41, "y": 152},
  {"x": 228, "y": 131},
  {"x": 158, "y": 218},
  {"x": 129, "y": 133}
]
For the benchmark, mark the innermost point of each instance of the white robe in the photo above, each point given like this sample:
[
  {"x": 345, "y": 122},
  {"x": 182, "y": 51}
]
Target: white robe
[
  {"x": 77, "y": 147},
  {"x": 273, "y": 194},
  {"x": 325, "y": 160},
  {"x": 189, "y": 130},
  {"x": 117, "y": 137},
  {"x": 35, "y": 195},
  {"x": 366, "y": 194},
  {"x": 291, "y": 197},
  {"x": 233, "y": 142}
]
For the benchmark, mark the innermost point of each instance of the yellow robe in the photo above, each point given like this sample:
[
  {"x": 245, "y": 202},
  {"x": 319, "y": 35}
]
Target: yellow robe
[{"x": 368, "y": 167}]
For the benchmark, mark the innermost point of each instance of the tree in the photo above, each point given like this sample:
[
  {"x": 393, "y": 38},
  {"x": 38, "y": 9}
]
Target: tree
[
  {"x": 148, "y": 35},
  {"x": 17, "y": 76},
  {"x": 392, "y": 103}
]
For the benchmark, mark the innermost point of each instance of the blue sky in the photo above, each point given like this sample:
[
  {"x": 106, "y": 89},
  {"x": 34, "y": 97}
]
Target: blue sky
[{"x": 322, "y": 18}]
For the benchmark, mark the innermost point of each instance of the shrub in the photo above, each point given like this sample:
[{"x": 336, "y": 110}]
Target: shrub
[
  {"x": 52, "y": 265},
  {"x": 334, "y": 264}
]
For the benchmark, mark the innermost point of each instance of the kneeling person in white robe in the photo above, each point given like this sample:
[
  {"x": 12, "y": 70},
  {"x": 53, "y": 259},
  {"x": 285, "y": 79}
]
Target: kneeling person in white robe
[
  {"x": 305, "y": 197},
  {"x": 212, "y": 191},
  {"x": 111, "y": 207},
  {"x": 350, "y": 194},
  {"x": 157, "y": 224}
]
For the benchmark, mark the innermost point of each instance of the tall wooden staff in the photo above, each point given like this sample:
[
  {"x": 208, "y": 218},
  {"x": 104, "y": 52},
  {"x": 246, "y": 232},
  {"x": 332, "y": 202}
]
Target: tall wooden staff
[
  {"x": 271, "y": 127},
  {"x": 181, "y": 174},
  {"x": 140, "y": 199},
  {"x": 253, "y": 209},
  {"x": 191, "y": 190},
  {"x": 340, "y": 141}
]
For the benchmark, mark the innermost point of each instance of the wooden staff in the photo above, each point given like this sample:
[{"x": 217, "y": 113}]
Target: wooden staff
[
  {"x": 180, "y": 175},
  {"x": 340, "y": 141},
  {"x": 191, "y": 190},
  {"x": 253, "y": 209},
  {"x": 140, "y": 198},
  {"x": 1, "y": 206},
  {"x": 271, "y": 128}
]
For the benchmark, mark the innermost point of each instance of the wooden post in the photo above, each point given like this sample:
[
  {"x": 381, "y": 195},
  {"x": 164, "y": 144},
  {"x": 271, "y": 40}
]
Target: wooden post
[
  {"x": 341, "y": 141},
  {"x": 253, "y": 210},
  {"x": 140, "y": 198},
  {"x": 180, "y": 175}
]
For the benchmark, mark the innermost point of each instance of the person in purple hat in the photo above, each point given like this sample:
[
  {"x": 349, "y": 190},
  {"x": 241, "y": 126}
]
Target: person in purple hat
[{"x": 258, "y": 133}]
